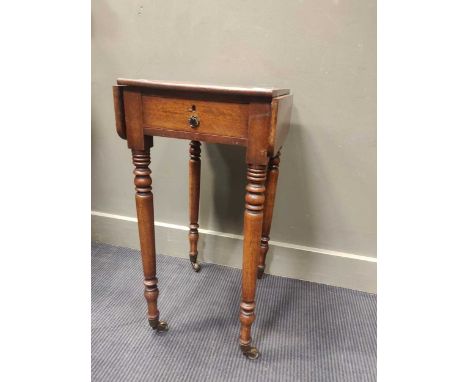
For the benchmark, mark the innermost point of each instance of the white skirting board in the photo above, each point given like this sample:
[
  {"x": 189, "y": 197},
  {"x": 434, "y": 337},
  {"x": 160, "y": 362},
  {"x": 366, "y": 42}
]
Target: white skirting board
[{"x": 283, "y": 259}]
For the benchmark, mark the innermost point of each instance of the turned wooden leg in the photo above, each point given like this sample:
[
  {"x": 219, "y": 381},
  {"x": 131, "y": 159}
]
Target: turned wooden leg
[
  {"x": 145, "y": 214},
  {"x": 270, "y": 193},
  {"x": 253, "y": 216},
  {"x": 194, "y": 200}
]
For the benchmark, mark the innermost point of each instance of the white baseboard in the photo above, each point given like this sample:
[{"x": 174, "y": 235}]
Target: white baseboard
[{"x": 284, "y": 259}]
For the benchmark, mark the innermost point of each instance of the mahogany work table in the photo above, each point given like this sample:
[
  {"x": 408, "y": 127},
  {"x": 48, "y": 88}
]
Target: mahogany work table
[{"x": 257, "y": 118}]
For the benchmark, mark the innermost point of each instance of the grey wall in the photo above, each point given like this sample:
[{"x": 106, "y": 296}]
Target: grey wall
[{"x": 323, "y": 50}]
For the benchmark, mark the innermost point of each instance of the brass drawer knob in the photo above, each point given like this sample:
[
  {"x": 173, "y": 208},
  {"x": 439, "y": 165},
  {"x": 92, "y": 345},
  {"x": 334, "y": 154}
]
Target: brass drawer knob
[{"x": 194, "y": 121}]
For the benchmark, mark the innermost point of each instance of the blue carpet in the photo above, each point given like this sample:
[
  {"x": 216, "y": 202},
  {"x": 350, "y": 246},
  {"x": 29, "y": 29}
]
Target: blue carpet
[{"x": 304, "y": 331}]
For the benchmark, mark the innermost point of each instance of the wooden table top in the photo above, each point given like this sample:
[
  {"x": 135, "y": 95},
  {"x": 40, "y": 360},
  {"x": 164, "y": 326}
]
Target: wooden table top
[{"x": 212, "y": 89}]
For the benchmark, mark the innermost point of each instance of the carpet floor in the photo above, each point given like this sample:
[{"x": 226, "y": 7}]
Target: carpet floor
[{"x": 304, "y": 331}]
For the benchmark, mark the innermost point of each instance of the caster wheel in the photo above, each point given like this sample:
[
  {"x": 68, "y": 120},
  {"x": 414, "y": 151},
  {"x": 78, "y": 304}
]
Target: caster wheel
[
  {"x": 159, "y": 326},
  {"x": 250, "y": 352},
  {"x": 196, "y": 267}
]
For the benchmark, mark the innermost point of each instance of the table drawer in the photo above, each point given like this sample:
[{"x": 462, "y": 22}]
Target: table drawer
[{"x": 215, "y": 118}]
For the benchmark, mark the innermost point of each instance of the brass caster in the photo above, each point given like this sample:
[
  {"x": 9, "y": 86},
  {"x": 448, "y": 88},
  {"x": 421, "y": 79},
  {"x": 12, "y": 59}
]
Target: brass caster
[
  {"x": 260, "y": 270},
  {"x": 159, "y": 326},
  {"x": 196, "y": 267},
  {"x": 250, "y": 352}
]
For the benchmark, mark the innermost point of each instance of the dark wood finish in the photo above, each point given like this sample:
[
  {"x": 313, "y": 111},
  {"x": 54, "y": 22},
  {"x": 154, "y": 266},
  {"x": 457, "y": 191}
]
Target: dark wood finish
[
  {"x": 216, "y": 118},
  {"x": 119, "y": 111},
  {"x": 257, "y": 159},
  {"x": 209, "y": 138},
  {"x": 257, "y": 118},
  {"x": 270, "y": 194},
  {"x": 253, "y": 217},
  {"x": 258, "y": 133},
  {"x": 133, "y": 119},
  {"x": 145, "y": 214},
  {"x": 281, "y": 109},
  {"x": 198, "y": 88},
  {"x": 194, "y": 201}
]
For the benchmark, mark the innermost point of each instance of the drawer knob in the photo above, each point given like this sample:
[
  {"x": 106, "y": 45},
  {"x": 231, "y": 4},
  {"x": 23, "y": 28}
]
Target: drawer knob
[{"x": 194, "y": 121}]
